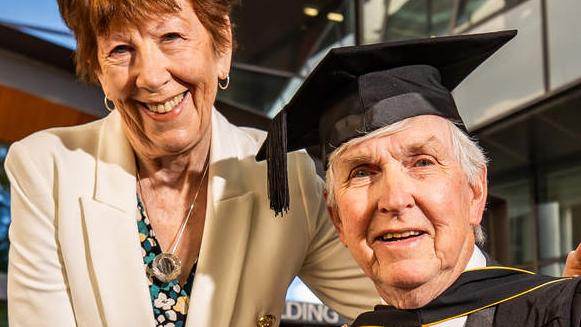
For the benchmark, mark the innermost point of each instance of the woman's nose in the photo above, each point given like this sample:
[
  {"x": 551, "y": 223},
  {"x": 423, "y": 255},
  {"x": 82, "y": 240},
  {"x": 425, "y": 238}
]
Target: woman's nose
[
  {"x": 394, "y": 192},
  {"x": 152, "y": 69}
]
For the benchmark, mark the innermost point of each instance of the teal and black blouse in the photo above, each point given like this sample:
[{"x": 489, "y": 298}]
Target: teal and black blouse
[{"x": 169, "y": 300}]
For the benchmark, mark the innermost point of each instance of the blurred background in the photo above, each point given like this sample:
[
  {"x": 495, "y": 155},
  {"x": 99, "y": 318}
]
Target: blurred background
[{"x": 524, "y": 104}]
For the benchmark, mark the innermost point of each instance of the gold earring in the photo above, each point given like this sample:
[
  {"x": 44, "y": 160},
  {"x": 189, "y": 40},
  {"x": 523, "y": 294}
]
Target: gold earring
[
  {"x": 225, "y": 85},
  {"x": 106, "y": 101}
]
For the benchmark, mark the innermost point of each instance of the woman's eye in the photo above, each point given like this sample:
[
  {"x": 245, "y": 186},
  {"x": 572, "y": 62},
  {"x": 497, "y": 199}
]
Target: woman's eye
[
  {"x": 171, "y": 36},
  {"x": 120, "y": 49},
  {"x": 423, "y": 163}
]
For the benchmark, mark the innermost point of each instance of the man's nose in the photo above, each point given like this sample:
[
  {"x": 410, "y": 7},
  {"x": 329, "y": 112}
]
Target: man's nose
[
  {"x": 394, "y": 191},
  {"x": 151, "y": 69}
]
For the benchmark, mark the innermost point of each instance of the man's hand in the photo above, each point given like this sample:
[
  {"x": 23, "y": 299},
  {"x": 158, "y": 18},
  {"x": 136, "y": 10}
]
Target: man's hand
[{"x": 573, "y": 264}]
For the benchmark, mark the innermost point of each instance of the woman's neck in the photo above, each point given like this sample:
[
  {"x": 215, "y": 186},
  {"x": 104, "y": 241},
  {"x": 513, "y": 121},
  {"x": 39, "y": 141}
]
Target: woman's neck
[{"x": 173, "y": 169}]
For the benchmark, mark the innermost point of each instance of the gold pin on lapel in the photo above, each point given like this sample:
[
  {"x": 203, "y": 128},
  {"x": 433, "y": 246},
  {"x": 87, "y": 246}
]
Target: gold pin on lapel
[{"x": 266, "y": 320}]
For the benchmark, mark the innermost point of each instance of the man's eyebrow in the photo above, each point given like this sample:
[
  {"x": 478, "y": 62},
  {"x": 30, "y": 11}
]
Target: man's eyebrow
[
  {"x": 355, "y": 159},
  {"x": 430, "y": 145}
]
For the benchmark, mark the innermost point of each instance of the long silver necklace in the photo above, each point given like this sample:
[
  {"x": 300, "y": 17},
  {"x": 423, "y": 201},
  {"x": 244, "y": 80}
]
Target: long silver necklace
[{"x": 168, "y": 266}]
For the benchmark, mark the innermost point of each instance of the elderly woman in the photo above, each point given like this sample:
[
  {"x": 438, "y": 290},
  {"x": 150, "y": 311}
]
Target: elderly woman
[{"x": 158, "y": 214}]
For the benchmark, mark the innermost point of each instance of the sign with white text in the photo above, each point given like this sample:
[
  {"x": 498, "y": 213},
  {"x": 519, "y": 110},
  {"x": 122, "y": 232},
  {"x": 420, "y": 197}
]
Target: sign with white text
[{"x": 310, "y": 313}]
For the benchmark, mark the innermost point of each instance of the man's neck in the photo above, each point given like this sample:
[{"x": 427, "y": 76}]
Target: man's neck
[{"x": 418, "y": 297}]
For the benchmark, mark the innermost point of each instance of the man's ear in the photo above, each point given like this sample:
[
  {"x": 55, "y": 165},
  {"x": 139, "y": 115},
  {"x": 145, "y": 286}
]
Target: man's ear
[
  {"x": 334, "y": 215},
  {"x": 479, "y": 196}
]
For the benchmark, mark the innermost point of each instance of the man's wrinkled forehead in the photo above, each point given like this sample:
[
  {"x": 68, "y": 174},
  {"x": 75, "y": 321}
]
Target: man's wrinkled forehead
[{"x": 418, "y": 135}]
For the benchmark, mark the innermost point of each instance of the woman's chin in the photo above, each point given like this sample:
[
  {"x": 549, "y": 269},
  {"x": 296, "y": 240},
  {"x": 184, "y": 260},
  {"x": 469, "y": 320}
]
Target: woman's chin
[
  {"x": 176, "y": 141},
  {"x": 177, "y": 147}
]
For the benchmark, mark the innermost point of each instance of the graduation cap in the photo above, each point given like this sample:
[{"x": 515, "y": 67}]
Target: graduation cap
[{"x": 356, "y": 90}]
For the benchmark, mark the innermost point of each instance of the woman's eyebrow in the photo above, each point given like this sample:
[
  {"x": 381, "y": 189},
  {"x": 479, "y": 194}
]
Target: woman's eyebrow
[{"x": 118, "y": 36}]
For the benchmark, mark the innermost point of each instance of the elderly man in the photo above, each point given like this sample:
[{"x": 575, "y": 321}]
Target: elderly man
[{"x": 407, "y": 187}]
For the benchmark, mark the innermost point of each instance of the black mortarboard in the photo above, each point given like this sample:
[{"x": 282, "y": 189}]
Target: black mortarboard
[{"x": 356, "y": 90}]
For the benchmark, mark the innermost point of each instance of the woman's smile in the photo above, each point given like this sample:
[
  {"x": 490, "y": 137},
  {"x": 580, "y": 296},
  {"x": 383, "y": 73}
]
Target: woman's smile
[
  {"x": 165, "y": 106},
  {"x": 166, "y": 110}
]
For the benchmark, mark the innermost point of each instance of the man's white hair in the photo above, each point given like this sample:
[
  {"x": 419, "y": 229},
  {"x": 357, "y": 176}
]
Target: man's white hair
[{"x": 468, "y": 153}]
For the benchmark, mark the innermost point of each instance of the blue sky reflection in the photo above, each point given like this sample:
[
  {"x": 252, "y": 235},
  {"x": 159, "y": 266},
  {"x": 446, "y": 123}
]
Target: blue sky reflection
[{"x": 34, "y": 16}]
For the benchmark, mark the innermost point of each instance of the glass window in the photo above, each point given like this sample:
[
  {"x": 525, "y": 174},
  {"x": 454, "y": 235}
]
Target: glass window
[
  {"x": 253, "y": 90},
  {"x": 472, "y": 11},
  {"x": 560, "y": 218},
  {"x": 419, "y": 18},
  {"x": 511, "y": 210},
  {"x": 277, "y": 52},
  {"x": 533, "y": 217},
  {"x": 405, "y": 19},
  {"x": 283, "y": 35}
]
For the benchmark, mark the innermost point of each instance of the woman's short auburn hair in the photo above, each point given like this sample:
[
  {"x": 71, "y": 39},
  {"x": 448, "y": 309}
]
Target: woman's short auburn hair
[{"x": 90, "y": 18}]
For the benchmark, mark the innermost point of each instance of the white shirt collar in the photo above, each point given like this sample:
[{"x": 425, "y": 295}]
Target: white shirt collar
[{"x": 477, "y": 260}]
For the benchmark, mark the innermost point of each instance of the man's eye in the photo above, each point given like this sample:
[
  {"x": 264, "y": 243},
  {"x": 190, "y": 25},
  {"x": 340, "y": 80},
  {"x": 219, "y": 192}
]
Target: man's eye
[
  {"x": 358, "y": 173},
  {"x": 423, "y": 163}
]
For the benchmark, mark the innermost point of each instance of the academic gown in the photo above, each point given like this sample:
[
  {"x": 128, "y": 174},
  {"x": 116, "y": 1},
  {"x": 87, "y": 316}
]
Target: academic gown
[{"x": 492, "y": 296}]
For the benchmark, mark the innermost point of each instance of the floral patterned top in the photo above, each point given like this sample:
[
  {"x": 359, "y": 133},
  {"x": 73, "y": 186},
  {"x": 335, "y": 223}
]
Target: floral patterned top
[{"x": 169, "y": 300}]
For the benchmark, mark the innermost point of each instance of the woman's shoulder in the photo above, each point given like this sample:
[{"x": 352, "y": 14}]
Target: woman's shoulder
[
  {"x": 244, "y": 136},
  {"x": 255, "y": 134},
  {"x": 248, "y": 140},
  {"x": 62, "y": 138},
  {"x": 61, "y": 142}
]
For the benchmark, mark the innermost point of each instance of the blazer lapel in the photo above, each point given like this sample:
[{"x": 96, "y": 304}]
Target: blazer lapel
[
  {"x": 226, "y": 232},
  {"x": 118, "y": 268},
  {"x": 111, "y": 232}
]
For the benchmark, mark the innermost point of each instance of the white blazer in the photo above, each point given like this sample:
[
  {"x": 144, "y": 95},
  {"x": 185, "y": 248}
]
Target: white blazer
[{"x": 75, "y": 256}]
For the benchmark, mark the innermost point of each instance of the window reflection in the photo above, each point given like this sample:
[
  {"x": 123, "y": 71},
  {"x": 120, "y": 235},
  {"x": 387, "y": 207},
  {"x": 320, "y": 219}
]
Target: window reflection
[
  {"x": 269, "y": 72},
  {"x": 386, "y": 20},
  {"x": 405, "y": 19},
  {"x": 561, "y": 218},
  {"x": 418, "y": 18},
  {"x": 535, "y": 186},
  {"x": 473, "y": 11},
  {"x": 518, "y": 218}
]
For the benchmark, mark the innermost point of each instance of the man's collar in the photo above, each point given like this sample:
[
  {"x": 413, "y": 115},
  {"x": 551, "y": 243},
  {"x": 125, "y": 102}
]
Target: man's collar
[
  {"x": 475, "y": 290},
  {"x": 477, "y": 260}
]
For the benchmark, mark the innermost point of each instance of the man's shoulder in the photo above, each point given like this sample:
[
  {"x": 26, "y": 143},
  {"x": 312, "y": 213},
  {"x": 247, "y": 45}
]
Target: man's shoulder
[{"x": 555, "y": 303}]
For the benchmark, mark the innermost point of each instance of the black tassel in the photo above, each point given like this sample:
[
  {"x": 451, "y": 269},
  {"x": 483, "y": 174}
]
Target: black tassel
[{"x": 278, "y": 193}]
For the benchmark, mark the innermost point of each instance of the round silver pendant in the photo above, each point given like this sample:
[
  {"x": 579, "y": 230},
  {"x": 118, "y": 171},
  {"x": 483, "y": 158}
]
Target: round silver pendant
[{"x": 166, "y": 267}]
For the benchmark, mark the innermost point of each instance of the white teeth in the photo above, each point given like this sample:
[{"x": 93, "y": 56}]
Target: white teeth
[
  {"x": 391, "y": 236},
  {"x": 166, "y": 106}
]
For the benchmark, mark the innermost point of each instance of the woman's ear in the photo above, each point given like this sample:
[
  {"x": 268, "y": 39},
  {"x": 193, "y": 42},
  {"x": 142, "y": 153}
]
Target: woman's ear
[{"x": 225, "y": 54}]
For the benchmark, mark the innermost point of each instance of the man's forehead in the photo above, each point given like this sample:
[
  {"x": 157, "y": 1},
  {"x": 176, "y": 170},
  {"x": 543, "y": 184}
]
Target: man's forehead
[{"x": 419, "y": 133}]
